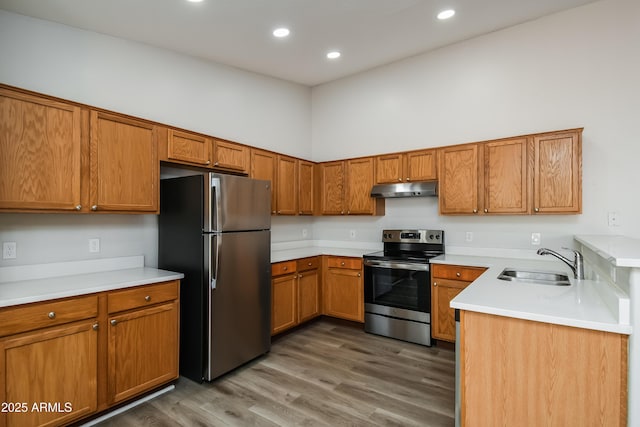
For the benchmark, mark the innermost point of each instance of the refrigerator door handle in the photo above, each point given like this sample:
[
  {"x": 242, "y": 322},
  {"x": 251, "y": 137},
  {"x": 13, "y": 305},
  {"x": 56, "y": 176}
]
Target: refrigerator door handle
[
  {"x": 214, "y": 249},
  {"x": 215, "y": 219}
]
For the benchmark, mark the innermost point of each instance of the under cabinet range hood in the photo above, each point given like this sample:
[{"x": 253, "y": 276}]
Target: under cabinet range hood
[{"x": 405, "y": 189}]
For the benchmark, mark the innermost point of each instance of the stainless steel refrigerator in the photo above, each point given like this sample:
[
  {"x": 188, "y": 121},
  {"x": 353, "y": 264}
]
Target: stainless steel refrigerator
[{"x": 215, "y": 229}]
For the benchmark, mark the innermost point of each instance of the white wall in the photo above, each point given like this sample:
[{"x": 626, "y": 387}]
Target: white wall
[
  {"x": 577, "y": 68},
  {"x": 146, "y": 82}
]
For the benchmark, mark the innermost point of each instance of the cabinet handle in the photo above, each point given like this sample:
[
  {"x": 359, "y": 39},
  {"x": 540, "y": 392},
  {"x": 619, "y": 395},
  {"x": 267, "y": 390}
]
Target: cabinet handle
[
  {"x": 95, "y": 327},
  {"x": 536, "y": 210},
  {"x": 78, "y": 207},
  {"x": 52, "y": 315},
  {"x": 435, "y": 284},
  {"x": 114, "y": 322},
  {"x": 475, "y": 211},
  {"x": 486, "y": 210},
  {"x": 147, "y": 298},
  {"x": 94, "y": 207},
  {"x": 457, "y": 274}
]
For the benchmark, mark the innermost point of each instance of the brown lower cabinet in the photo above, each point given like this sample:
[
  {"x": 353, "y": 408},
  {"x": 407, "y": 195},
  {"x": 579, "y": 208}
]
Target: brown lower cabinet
[
  {"x": 447, "y": 282},
  {"x": 63, "y": 360},
  {"x": 343, "y": 288},
  {"x": 518, "y": 372},
  {"x": 295, "y": 293}
]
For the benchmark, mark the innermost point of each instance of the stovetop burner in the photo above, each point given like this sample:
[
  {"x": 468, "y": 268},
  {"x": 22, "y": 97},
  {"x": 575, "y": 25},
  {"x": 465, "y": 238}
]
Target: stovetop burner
[{"x": 410, "y": 245}]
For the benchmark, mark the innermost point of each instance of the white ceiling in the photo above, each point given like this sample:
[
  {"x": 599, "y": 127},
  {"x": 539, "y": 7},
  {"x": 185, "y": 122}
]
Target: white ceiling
[{"x": 369, "y": 33}]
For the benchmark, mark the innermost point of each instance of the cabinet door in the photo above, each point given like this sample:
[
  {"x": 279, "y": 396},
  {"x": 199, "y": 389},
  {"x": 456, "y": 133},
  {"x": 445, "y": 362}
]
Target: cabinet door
[
  {"x": 143, "y": 350},
  {"x": 263, "y": 166},
  {"x": 458, "y": 179},
  {"x": 287, "y": 185},
  {"x": 124, "y": 164},
  {"x": 232, "y": 156},
  {"x": 40, "y": 143},
  {"x": 188, "y": 147},
  {"x": 344, "y": 297},
  {"x": 389, "y": 169},
  {"x": 283, "y": 306},
  {"x": 56, "y": 367},
  {"x": 358, "y": 187},
  {"x": 558, "y": 173},
  {"x": 443, "y": 325},
  {"x": 308, "y": 295},
  {"x": 421, "y": 165},
  {"x": 305, "y": 187},
  {"x": 506, "y": 176},
  {"x": 332, "y": 184}
]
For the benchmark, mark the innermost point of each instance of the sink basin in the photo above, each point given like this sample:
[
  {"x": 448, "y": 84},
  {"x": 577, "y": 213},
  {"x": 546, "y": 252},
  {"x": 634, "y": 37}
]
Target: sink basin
[{"x": 539, "y": 277}]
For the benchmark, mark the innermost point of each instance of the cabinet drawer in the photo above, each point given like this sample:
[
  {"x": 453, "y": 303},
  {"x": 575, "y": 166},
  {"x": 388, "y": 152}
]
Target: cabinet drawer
[
  {"x": 25, "y": 318},
  {"x": 142, "y": 296},
  {"x": 308, "y": 263},
  {"x": 345, "y": 262},
  {"x": 281, "y": 268},
  {"x": 456, "y": 272}
]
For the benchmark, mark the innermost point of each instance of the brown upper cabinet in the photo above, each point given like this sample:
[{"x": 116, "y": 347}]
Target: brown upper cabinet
[
  {"x": 557, "y": 171},
  {"x": 124, "y": 171},
  {"x": 522, "y": 175},
  {"x": 263, "y": 166},
  {"x": 406, "y": 167},
  {"x": 230, "y": 156},
  {"x": 187, "y": 147},
  {"x": 287, "y": 186},
  {"x": 306, "y": 185},
  {"x": 40, "y": 152},
  {"x": 346, "y": 187}
]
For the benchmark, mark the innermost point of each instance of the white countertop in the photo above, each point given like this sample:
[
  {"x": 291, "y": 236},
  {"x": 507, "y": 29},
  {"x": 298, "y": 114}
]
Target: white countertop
[
  {"x": 64, "y": 283},
  {"x": 619, "y": 250},
  {"x": 285, "y": 251},
  {"x": 585, "y": 304}
]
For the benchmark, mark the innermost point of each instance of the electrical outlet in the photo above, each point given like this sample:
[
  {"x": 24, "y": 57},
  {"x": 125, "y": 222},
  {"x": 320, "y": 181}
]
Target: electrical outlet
[
  {"x": 305, "y": 233},
  {"x": 352, "y": 234},
  {"x": 469, "y": 236},
  {"x": 9, "y": 250},
  {"x": 94, "y": 245},
  {"x": 613, "y": 219},
  {"x": 535, "y": 239}
]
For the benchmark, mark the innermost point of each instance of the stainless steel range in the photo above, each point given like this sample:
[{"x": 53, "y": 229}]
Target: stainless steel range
[{"x": 397, "y": 285}]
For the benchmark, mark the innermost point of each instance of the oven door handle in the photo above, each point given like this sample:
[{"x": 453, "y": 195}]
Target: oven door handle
[{"x": 396, "y": 265}]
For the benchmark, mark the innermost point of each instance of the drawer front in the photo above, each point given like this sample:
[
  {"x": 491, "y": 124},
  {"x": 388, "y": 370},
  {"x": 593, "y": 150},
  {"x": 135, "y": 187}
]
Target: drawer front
[
  {"x": 281, "y": 268},
  {"x": 29, "y": 317},
  {"x": 456, "y": 272},
  {"x": 142, "y": 296},
  {"x": 308, "y": 263},
  {"x": 345, "y": 262}
]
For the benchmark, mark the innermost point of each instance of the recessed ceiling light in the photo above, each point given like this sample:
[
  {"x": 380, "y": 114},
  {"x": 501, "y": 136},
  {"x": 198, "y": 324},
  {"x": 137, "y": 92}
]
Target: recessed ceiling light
[
  {"x": 194, "y": 1},
  {"x": 333, "y": 54},
  {"x": 281, "y": 32},
  {"x": 446, "y": 14}
]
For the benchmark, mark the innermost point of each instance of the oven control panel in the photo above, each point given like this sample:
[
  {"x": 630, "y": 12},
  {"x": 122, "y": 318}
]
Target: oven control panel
[{"x": 413, "y": 236}]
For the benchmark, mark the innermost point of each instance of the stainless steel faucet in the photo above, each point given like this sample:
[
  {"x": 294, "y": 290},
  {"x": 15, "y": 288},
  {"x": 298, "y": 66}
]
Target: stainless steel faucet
[{"x": 577, "y": 265}]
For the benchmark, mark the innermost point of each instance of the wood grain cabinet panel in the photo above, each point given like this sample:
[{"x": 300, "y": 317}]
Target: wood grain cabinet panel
[
  {"x": 390, "y": 168},
  {"x": 124, "y": 164},
  {"x": 40, "y": 153},
  {"x": 332, "y": 182},
  {"x": 406, "y": 167},
  {"x": 231, "y": 156},
  {"x": 558, "y": 172},
  {"x": 287, "y": 185},
  {"x": 284, "y": 306},
  {"x": 343, "y": 289},
  {"x": 143, "y": 350},
  {"x": 189, "y": 148},
  {"x": 521, "y": 372},
  {"x": 306, "y": 187},
  {"x": 263, "y": 166},
  {"x": 308, "y": 294},
  {"x": 506, "y": 176},
  {"x": 359, "y": 180},
  {"x": 458, "y": 179}
]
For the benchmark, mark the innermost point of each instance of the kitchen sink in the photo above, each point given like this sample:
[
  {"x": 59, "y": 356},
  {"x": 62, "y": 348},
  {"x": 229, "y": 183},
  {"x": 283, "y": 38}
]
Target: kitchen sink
[{"x": 539, "y": 277}]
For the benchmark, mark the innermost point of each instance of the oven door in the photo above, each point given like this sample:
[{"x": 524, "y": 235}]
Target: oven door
[{"x": 398, "y": 284}]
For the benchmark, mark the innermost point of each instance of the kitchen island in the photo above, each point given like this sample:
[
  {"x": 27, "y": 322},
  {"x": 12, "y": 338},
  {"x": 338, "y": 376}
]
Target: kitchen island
[{"x": 555, "y": 355}]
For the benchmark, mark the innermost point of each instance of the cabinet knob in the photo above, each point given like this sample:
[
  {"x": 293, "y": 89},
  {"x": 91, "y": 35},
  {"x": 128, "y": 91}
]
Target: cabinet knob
[
  {"x": 285, "y": 268},
  {"x": 359, "y": 274},
  {"x": 94, "y": 207},
  {"x": 300, "y": 213},
  {"x": 341, "y": 212},
  {"x": 435, "y": 284},
  {"x": 457, "y": 274},
  {"x": 536, "y": 210},
  {"x": 486, "y": 210},
  {"x": 408, "y": 179},
  {"x": 299, "y": 276},
  {"x": 400, "y": 179},
  {"x": 78, "y": 207},
  {"x": 216, "y": 164},
  {"x": 475, "y": 211},
  {"x": 279, "y": 212},
  {"x": 342, "y": 263},
  {"x": 52, "y": 315},
  {"x": 147, "y": 298},
  {"x": 273, "y": 212},
  {"x": 113, "y": 322},
  {"x": 208, "y": 162},
  {"x": 309, "y": 264},
  {"x": 95, "y": 327}
]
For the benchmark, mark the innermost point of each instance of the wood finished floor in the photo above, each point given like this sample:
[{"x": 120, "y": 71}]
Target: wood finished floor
[{"x": 323, "y": 374}]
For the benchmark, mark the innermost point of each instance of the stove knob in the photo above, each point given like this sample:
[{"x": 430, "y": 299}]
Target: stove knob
[
  {"x": 430, "y": 236},
  {"x": 437, "y": 237}
]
